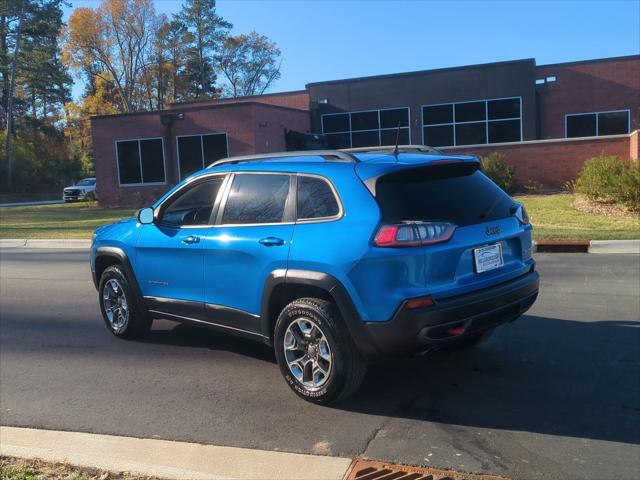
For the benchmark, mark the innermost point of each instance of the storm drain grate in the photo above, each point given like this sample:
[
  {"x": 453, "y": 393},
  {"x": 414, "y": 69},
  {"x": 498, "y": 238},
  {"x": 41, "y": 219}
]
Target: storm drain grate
[{"x": 372, "y": 470}]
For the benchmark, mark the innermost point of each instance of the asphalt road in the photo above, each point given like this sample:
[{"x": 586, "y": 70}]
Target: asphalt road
[{"x": 554, "y": 395}]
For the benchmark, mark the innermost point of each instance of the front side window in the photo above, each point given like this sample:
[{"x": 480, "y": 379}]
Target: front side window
[
  {"x": 140, "y": 161},
  {"x": 315, "y": 199},
  {"x": 597, "y": 124},
  {"x": 197, "y": 151},
  {"x": 193, "y": 206},
  {"x": 256, "y": 198},
  {"x": 472, "y": 123}
]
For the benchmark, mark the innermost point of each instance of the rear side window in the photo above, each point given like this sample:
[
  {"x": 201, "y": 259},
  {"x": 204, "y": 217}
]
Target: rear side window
[
  {"x": 315, "y": 199},
  {"x": 460, "y": 194},
  {"x": 256, "y": 198}
]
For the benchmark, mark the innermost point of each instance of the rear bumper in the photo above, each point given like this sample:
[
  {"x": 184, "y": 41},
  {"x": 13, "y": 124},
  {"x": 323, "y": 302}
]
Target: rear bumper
[{"x": 413, "y": 331}]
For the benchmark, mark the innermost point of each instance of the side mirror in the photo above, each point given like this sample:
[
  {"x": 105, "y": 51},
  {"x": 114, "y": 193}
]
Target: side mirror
[{"x": 145, "y": 215}]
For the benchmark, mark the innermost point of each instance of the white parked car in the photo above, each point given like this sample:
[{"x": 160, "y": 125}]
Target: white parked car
[{"x": 85, "y": 189}]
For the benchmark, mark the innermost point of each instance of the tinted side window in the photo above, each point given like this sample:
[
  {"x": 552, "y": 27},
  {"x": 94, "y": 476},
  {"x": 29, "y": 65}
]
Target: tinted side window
[
  {"x": 315, "y": 198},
  {"x": 256, "y": 198},
  {"x": 193, "y": 205}
]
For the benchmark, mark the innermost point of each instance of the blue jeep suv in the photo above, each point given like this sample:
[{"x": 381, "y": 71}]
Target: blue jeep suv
[{"x": 334, "y": 258}]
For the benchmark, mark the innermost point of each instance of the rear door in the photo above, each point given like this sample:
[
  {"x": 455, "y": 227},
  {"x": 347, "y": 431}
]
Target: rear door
[
  {"x": 251, "y": 239},
  {"x": 461, "y": 194}
]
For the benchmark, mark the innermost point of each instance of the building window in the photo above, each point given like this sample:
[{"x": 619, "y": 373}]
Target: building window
[
  {"x": 140, "y": 161},
  {"x": 472, "y": 123},
  {"x": 195, "y": 152},
  {"x": 596, "y": 124},
  {"x": 367, "y": 128}
]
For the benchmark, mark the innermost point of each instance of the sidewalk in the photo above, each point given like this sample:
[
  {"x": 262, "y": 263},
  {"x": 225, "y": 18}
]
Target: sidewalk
[{"x": 167, "y": 459}]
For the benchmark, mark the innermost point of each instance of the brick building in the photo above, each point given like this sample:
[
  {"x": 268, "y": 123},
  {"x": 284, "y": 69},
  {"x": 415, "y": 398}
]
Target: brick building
[{"x": 545, "y": 119}]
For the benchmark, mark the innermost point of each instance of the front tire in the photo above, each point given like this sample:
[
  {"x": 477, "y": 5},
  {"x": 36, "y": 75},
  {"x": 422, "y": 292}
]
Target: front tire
[
  {"x": 124, "y": 317},
  {"x": 315, "y": 353}
]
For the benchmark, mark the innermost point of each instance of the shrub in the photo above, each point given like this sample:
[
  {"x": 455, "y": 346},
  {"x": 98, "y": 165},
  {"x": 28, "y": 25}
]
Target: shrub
[
  {"x": 495, "y": 167},
  {"x": 611, "y": 179}
]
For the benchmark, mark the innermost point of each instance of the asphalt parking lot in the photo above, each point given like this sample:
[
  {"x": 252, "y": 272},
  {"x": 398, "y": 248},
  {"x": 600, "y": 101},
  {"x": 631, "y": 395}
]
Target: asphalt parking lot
[{"x": 554, "y": 395}]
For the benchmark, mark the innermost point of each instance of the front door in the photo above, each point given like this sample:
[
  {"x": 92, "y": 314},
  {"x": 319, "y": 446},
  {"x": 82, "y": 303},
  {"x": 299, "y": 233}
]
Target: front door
[
  {"x": 169, "y": 256},
  {"x": 252, "y": 239}
]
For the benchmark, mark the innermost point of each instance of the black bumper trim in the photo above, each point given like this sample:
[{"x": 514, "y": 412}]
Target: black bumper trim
[{"x": 412, "y": 331}]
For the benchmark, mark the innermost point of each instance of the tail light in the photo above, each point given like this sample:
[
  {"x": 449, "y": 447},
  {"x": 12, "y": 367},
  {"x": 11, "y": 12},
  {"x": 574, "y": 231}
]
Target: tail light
[
  {"x": 522, "y": 215},
  {"x": 413, "y": 234}
]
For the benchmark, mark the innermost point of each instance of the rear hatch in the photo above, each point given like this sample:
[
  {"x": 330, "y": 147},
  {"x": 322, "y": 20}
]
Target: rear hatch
[{"x": 450, "y": 262}]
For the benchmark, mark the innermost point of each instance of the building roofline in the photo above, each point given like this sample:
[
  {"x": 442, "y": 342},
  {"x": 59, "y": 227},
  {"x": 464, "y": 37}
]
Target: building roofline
[
  {"x": 190, "y": 108},
  {"x": 243, "y": 99},
  {"x": 423, "y": 72},
  {"x": 593, "y": 60}
]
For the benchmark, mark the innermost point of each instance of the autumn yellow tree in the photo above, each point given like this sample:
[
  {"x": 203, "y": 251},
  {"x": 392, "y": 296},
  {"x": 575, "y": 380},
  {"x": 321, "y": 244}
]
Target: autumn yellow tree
[{"x": 114, "y": 43}]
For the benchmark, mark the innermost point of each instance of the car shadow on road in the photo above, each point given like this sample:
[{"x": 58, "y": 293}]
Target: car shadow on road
[
  {"x": 542, "y": 375},
  {"x": 184, "y": 335}
]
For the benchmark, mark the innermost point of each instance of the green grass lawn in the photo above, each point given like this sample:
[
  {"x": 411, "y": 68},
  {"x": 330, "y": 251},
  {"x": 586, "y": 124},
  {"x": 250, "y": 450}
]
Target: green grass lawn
[
  {"x": 73, "y": 220},
  {"x": 552, "y": 216}
]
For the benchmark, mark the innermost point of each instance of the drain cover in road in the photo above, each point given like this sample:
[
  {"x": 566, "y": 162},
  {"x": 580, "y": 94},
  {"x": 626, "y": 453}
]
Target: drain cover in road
[{"x": 371, "y": 470}]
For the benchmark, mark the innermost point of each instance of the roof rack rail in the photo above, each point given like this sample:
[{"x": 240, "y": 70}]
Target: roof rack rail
[
  {"x": 331, "y": 155},
  {"x": 391, "y": 148}
]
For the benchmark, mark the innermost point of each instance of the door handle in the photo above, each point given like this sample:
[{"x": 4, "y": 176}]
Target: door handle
[
  {"x": 190, "y": 240},
  {"x": 271, "y": 241}
]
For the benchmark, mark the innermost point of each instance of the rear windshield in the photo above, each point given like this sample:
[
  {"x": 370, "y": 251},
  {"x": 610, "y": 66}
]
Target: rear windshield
[{"x": 460, "y": 194}]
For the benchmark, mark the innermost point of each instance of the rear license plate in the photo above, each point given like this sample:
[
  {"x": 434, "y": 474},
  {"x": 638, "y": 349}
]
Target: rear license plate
[{"x": 488, "y": 258}]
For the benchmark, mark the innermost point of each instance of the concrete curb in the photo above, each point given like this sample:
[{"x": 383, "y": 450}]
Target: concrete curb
[
  {"x": 592, "y": 246},
  {"x": 44, "y": 243},
  {"x": 167, "y": 459}
]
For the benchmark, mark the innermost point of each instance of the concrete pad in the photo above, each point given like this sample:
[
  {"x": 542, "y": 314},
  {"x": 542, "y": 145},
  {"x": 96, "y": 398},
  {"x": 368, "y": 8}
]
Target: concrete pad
[
  {"x": 168, "y": 459},
  {"x": 12, "y": 242},
  {"x": 615, "y": 246}
]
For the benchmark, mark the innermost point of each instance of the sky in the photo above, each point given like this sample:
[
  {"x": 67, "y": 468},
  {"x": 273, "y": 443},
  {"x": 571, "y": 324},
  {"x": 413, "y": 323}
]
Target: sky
[{"x": 332, "y": 39}]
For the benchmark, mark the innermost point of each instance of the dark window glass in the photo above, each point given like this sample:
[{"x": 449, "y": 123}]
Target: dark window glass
[
  {"x": 315, "y": 198},
  {"x": 256, "y": 199},
  {"x": 504, "y": 131},
  {"x": 335, "y": 123},
  {"x": 338, "y": 140},
  {"x": 613, "y": 123},
  {"x": 365, "y": 139},
  {"x": 437, "y": 114},
  {"x": 391, "y": 118},
  {"x": 193, "y": 205},
  {"x": 152, "y": 160},
  {"x": 440, "y": 136},
  {"x": 190, "y": 153},
  {"x": 581, "y": 125},
  {"x": 364, "y": 121},
  {"x": 471, "y": 111},
  {"x": 388, "y": 137},
  {"x": 471, "y": 133},
  {"x": 450, "y": 193},
  {"x": 507, "y": 108},
  {"x": 129, "y": 162},
  {"x": 214, "y": 147}
]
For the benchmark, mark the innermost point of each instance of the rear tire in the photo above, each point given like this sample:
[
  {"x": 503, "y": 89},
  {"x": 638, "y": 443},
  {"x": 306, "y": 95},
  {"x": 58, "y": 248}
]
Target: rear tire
[
  {"x": 124, "y": 317},
  {"x": 315, "y": 352}
]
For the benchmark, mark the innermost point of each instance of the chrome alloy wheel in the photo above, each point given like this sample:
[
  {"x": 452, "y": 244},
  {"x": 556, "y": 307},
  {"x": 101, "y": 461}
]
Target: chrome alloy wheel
[
  {"x": 115, "y": 305},
  {"x": 307, "y": 353}
]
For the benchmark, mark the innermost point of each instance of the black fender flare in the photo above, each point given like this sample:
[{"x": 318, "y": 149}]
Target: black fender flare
[
  {"x": 356, "y": 327},
  {"x": 123, "y": 259}
]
